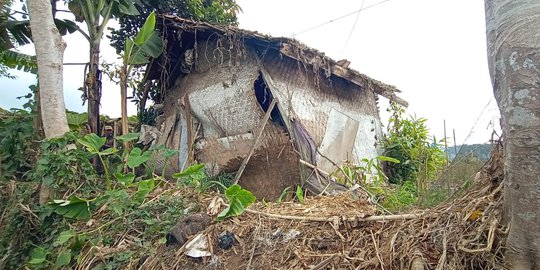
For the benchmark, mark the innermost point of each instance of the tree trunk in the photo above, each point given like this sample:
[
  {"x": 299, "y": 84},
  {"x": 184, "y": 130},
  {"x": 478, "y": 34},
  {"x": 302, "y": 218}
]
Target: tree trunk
[
  {"x": 124, "y": 71},
  {"x": 50, "y": 54},
  {"x": 93, "y": 84},
  {"x": 513, "y": 38}
]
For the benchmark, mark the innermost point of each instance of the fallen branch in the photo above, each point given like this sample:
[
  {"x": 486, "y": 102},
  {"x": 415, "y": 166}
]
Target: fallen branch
[{"x": 334, "y": 218}]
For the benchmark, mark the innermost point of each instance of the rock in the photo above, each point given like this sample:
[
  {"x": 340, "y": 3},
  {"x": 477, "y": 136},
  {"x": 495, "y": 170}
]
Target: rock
[{"x": 187, "y": 227}]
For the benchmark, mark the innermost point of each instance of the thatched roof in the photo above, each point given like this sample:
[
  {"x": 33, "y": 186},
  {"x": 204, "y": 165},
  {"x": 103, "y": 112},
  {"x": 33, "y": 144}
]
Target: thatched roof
[{"x": 285, "y": 46}]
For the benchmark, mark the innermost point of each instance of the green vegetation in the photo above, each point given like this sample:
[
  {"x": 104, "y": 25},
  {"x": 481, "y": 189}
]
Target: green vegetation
[
  {"x": 478, "y": 151},
  {"x": 238, "y": 199},
  {"x": 215, "y": 11},
  {"x": 421, "y": 158},
  {"x": 403, "y": 177},
  {"x": 64, "y": 232},
  {"x": 17, "y": 146}
]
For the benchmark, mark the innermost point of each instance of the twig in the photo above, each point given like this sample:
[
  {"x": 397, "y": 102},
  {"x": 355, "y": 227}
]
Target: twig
[
  {"x": 248, "y": 267},
  {"x": 489, "y": 244},
  {"x": 189, "y": 127},
  {"x": 313, "y": 167},
  {"x": 377, "y": 250},
  {"x": 442, "y": 259},
  {"x": 352, "y": 182},
  {"x": 324, "y": 263},
  {"x": 261, "y": 129}
]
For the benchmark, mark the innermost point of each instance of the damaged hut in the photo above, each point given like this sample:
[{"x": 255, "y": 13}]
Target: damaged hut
[{"x": 268, "y": 108}]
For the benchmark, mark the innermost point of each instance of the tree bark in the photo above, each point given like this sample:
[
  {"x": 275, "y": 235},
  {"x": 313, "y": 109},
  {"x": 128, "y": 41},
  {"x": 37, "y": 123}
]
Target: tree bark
[
  {"x": 513, "y": 39},
  {"x": 124, "y": 71},
  {"x": 94, "y": 89},
  {"x": 50, "y": 55}
]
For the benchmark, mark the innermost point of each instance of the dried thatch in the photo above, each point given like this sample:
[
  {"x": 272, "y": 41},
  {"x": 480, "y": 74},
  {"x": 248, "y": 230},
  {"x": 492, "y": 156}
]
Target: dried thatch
[
  {"x": 287, "y": 47},
  {"x": 340, "y": 233}
]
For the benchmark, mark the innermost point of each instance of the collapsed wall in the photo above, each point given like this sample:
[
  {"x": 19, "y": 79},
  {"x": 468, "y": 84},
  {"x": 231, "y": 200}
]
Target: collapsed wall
[{"x": 219, "y": 89}]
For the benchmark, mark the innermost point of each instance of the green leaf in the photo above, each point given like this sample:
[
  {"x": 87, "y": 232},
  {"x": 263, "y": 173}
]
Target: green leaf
[
  {"x": 129, "y": 137},
  {"x": 168, "y": 153},
  {"x": 299, "y": 194},
  {"x": 137, "y": 157},
  {"x": 76, "y": 119},
  {"x": 65, "y": 26},
  {"x": 283, "y": 194},
  {"x": 17, "y": 60},
  {"x": 152, "y": 47},
  {"x": 144, "y": 187},
  {"x": 75, "y": 208},
  {"x": 191, "y": 170},
  {"x": 92, "y": 142},
  {"x": 127, "y": 7},
  {"x": 63, "y": 259},
  {"x": 238, "y": 199},
  {"x": 125, "y": 179},
  {"x": 19, "y": 30},
  {"x": 388, "y": 159},
  {"x": 38, "y": 255},
  {"x": 146, "y": 30},
  {"x": 108, "y": 151},
  {"x": 63, "y": 237}
]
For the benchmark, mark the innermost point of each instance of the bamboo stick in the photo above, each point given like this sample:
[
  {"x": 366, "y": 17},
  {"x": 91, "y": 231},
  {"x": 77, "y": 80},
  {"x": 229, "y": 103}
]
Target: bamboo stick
[{"x": 261, "y": 129}]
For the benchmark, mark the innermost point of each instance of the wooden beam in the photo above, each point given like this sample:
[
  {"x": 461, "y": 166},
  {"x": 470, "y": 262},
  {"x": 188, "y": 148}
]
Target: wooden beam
[
  {"x": 311, "y": 57},
  {"x": 259, "y": 134},
  {"x": 363, "y": 81}
]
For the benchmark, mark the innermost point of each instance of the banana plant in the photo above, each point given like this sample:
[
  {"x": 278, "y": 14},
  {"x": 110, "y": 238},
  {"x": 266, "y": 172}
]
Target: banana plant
[
  {"x": 146, "y": 44},
  {"x": 96, "y": 14}
]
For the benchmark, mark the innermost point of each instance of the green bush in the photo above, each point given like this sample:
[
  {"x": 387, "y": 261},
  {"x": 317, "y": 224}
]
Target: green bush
[
  {"x": 16, "y": 134},
  {"x": 421, "y": 158}
]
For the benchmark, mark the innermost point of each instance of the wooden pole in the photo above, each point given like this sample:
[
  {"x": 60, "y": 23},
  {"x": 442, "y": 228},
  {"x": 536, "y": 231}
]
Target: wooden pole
[
  {"x": 455, "y": 145},
  {"x": 445, "y": 143},
  {"x": 261, "y": 129}
]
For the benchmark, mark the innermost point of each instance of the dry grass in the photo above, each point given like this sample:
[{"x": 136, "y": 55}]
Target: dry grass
[{"x": 465, "y": 233}]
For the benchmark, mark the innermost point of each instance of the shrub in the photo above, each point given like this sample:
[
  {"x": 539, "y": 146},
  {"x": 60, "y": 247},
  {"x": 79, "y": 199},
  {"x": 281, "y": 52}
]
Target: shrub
[{"x": 421, "y": 158}]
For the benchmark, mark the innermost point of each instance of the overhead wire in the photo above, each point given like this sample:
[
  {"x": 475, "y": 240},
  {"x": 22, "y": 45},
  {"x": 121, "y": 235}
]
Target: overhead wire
[
  {"x": 338, "y": 18},
  {"x": 476, "y": 122},
  {"x": 352, "y": 29}
]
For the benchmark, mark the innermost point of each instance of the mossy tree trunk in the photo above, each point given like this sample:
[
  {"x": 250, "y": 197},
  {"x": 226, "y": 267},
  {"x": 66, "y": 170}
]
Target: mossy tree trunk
[{"x": 513, "y": 38}]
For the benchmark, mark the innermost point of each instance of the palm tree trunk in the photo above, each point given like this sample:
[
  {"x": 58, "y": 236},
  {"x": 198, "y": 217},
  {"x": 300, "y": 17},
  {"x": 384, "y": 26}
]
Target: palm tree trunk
[{"x": 513, "y": 38}]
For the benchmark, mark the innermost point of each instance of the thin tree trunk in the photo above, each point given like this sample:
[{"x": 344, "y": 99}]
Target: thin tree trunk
[
  {"x": 50, "y": 54},
  {"x": 513, "y": 38},
  {"x": 124, "y": 71},
  {"x": 94, "y": 90}
]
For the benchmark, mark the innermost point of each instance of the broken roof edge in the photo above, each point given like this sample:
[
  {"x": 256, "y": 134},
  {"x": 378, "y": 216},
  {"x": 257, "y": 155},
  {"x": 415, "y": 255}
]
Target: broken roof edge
[{"x": 294, "y": 49}]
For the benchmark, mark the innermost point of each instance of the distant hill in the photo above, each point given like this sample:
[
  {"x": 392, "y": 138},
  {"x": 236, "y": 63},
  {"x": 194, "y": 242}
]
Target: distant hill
[{"x": 479, "y": 151}]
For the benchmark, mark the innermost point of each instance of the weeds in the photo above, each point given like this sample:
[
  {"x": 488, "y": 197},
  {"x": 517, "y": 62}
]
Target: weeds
[{"x": 16, "y": 135}]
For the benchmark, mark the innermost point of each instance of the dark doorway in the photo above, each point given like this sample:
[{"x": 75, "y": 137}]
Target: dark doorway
[{"x": 264, "y": 97}]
